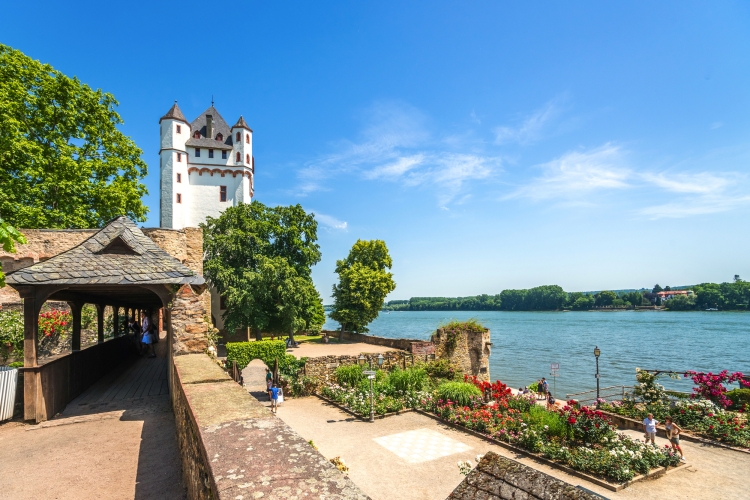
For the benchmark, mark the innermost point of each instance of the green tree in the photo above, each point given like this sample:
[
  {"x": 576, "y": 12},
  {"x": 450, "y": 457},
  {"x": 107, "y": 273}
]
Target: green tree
[
  {"x": 9, "y": 236},
  {"x": 63, "y": 162},
  {"x": 605, "y": 298},
  {"x": 657, "y": 289},
  {"x": 364, "y": 282},
  {"x": 259, "y": 260}
]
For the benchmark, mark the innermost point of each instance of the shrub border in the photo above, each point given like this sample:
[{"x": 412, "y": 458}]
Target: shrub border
[
  {"x": 653, "y": 473},
  {"x": 361, "y": 417},
  {"x": 631, "y": 423}
]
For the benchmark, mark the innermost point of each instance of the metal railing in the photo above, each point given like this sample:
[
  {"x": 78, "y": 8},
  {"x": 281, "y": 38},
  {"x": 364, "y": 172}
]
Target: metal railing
[{"x": 611, "y": 393}]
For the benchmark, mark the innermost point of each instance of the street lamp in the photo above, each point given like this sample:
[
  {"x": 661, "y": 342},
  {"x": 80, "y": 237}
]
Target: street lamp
[
  {"x": 597, "y": 352},
  {"x": 371, "y": 375}
]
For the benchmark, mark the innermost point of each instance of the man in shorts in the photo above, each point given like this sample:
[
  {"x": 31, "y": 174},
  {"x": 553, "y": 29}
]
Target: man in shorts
[
  {"x": 649, "y": 427},
  {"x": 274, "y": 398}
]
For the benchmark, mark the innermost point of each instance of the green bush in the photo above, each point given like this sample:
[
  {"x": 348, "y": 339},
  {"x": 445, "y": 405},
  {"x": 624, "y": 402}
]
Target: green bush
[
  {"x": 349, "y": 375},
  {"x": 534, "y": 387},
  {"x": 11, "y": 332},
  {"x": 441, "y": 368},
  {"x": 16, "y": 364},
  {"x": 265, "y": 350},
  {"x": 460, "y": 393},
  {"x": 412, "y": 379},
  {"x": 739, "y": 398}
]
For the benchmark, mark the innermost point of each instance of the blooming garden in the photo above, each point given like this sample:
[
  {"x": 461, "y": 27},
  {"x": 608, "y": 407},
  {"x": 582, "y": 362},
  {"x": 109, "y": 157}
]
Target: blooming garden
[{"x": 582, "y": 438}]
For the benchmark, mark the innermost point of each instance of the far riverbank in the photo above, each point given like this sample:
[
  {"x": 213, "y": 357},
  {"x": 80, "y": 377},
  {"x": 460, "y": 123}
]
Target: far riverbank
[{"x": 525, "y": 343}]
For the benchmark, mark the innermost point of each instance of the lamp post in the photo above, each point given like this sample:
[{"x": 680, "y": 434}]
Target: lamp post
[
  {"x": 597, "y": 352},
  {"x": 371, "y": 375}
]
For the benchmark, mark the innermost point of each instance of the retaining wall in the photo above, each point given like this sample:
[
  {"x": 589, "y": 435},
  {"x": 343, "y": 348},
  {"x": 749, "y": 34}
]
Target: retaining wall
[
  {"x": 496, "y": 477},
  {"x": 233, "y": 447},
  {"x": 402, "y": 344}
]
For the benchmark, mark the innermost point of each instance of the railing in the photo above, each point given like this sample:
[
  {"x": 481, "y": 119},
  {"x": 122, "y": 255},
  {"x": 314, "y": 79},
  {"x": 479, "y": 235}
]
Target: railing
[
  {"x": 8, "y": 384},
  {"x": 236, "y": 373},
  {"x": 611, "y": 393}
]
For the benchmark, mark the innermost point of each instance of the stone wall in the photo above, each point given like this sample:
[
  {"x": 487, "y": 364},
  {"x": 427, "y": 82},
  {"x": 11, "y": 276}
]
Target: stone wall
[
  {"x": 496, "y": 477},
  {"x": 189, "y": 328},
  {"x": 322, "y": 368},
  {"x": 468, "y": 351},
  {"x": 232, "y": 447},
  {"x": 402, "y": 344}
]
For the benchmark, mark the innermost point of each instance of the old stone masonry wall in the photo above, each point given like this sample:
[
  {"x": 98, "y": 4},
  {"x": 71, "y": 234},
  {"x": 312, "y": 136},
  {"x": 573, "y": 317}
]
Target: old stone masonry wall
[
  {"x": 496, "y": 477},
  {"x": 469, "y": 351}
]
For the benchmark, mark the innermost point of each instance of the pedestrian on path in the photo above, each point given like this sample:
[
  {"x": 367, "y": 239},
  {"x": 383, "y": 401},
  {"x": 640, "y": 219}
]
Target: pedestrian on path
[
  {"x": 146, "y": 338},
  {"x": 649, "y": 427},
  {"x": 540, "y": 392},
  {"x": 269, "y": 382},
  {"x": 550, "y": 401},
  {"x": 673, "y": 434},
  {"x": 274, "y": 398}
]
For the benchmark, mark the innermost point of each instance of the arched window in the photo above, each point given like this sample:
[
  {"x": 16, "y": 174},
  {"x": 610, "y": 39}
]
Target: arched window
[
  {"x": 247, "y": 138},
  {"x": 219, "y": 137},
  {"x": 247, "y": 158},
  {"x": 238, "y": 137},
  {"x": 239, "y": 158},
  {"x": 197, "y": 134}
]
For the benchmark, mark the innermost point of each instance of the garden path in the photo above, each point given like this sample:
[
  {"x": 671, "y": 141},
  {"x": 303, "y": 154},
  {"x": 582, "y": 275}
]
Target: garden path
[
  {"x": 116, "y": 441},
  {"x": 334, "y": 348},
  {"x": 411, "y": 456}
]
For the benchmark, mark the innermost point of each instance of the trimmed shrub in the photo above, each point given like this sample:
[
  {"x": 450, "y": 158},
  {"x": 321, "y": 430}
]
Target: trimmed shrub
[
  {"x": 739, "y": 398},
  {"x": 460, "y": 393},
  {"x": 441, "y": 368},
  {"x": 412, "y": 379},
  {"x": 265, "y": 350},
  {"x": 349, "y": 375}
]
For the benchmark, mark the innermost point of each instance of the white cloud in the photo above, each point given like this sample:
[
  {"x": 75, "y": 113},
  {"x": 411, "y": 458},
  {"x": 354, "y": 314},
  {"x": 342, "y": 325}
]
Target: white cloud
[
  {"x": 331, "y": 222},
  {"x": 530, "y": 129},
  {"x": 578, "y": 172},
  {"x": 396, "y": 169},
  {"x": 701, "y": 183},
  {"x": 696, "y": 206}
]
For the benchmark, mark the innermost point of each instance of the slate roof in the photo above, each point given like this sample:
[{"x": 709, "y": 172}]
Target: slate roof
[
  {"x": 242, "y": 124},
  {"x": 219, "y": 127},
  {"x": 208, "y": 144},
  {"x": 174, "y": 113},
  {"x": 118, "y": 254}
]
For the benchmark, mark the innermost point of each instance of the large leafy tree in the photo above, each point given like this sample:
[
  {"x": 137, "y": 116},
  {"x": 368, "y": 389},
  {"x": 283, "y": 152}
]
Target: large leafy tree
[
  {"x": 364, "y": 282},
  {"x": 63, "y": 162},
  {"x": 9, "y": 236},
  {"x": 259, "y": 260}
]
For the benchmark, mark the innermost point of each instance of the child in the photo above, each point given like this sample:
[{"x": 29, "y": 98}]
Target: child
[
  {"x": 673, "y": 434},
  {"x": 274, "y": 398},
  {"x": 550, "y": 401}
]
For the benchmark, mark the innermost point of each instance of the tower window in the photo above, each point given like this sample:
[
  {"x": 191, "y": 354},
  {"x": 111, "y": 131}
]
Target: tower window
[
  {"x": 247, "y": 138},
  {"x": 179, "y": 156},
  {"x": 222, "y": 193},
  {"x": 239, "y": 158},
  {"x": 179, "y": 177},
  {"x": 197, "y": 152},
  {"x": 210, "y": 153},
  {"x": 179, "y": 198},
  {"x": 197, "y": 134},
  {"x": 179, "y": 129},
  {"x": 247, "y": 158},
  {"x": 219, "y": 137},
  {"x": 223, "y": 155},
  {"x": 238, "y": 137}
]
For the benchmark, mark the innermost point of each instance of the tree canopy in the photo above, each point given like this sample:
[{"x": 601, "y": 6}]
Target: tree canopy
[
  {"x": 63, "y": 162},
  {"x": 9, "y": 236},
  {"x": 364, "y": 282},
  {"x": 259, "y": 260}
]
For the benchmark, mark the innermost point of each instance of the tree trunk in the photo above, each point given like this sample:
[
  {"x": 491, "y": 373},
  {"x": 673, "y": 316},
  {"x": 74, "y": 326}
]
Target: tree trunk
[
  {"x": 258, "y": 334},
  {"x": 291, "y": 335}
]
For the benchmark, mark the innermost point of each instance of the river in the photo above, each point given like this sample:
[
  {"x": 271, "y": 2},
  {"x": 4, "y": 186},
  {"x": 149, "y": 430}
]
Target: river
[{"x": 525, "y": 343}]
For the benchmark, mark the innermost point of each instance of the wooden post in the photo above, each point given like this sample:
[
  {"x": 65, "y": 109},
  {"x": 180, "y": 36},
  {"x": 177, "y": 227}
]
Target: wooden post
[
  {"x": 75, "y": 339},
  {"x": 30, "y": 334},
  {"x": 100, "y": 323},
  {"x": 116, "y": 320}
]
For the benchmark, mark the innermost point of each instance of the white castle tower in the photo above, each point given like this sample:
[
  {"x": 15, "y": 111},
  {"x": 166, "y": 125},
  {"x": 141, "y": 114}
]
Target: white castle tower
[{"x": 205, "y": 167}]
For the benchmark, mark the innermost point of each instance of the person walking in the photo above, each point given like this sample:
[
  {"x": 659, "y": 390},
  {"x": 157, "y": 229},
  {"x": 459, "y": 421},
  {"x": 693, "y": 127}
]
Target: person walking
[
  {"x": 551, "y": 404},
  {"x": 649, "y": 427},
  {"x": 146, "y": 339},
  {"x": 274, "y": 398},
  {"x": 540, "y": 392},
  {"x": 269, "y": 382},
  {"x": 673, "y": 434}
]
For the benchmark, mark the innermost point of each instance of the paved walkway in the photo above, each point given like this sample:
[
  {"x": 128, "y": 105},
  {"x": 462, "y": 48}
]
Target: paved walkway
[
  {"x": 115, "y": 441},
  {"x": 412, "y": 457},
  {"x": 313, "y": 350}
]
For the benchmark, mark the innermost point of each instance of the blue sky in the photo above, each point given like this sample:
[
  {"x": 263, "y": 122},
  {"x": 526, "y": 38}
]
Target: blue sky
[{"x": 492, "y": 145}]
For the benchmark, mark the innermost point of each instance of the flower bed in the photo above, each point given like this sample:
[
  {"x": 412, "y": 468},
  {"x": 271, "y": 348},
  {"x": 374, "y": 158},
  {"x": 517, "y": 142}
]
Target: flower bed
[{"x": 583, "y": 439}]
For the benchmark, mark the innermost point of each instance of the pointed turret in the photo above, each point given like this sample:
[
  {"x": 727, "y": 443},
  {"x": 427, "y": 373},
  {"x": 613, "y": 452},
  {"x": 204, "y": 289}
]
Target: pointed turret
[
  {"x": 241, "y": 123},
  {"x": 174, "y": 113}
]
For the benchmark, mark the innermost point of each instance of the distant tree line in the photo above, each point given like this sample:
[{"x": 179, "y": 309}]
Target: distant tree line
[{"x": 724, "y": 296}]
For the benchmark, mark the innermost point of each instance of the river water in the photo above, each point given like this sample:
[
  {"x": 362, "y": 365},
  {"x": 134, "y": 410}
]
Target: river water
[{"x": 525, "y": 343}]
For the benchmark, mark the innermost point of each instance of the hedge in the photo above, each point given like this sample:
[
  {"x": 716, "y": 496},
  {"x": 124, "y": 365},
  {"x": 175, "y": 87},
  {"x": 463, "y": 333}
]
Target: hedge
[{"x": 264, "y": 350}]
